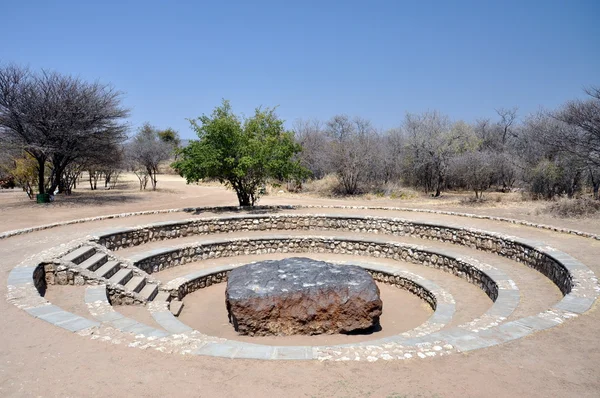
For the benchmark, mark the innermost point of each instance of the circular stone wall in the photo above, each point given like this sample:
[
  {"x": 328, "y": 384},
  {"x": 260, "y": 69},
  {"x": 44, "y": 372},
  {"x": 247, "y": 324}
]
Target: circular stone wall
[{"x": 301, "y": 296}]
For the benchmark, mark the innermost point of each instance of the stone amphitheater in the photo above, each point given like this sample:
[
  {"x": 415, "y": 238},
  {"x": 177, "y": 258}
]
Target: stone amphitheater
[{"x": 98, "y": 305}]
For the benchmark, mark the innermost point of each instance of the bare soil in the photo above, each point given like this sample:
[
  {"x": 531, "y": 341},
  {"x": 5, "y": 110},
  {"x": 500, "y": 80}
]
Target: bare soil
[{"x": 38, "y": 359}]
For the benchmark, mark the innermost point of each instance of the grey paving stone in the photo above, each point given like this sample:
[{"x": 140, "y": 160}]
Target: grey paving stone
[
  {"x": 124, "y": 323},
  {"x": 537, "y": 323},
  {"x": 21, "y": 276},
  {"x": 443, "y": 313},
  {"x": 464, "y": 340},
  {"x": 79, "y": 323},
  {"x": 574, "y": 265},
  {"x": 96, "y": 293},
  {"x": 140, "y": 328},
  {"x": 166, "y": 320},
  {"x": 474, "y": 343},
  {"x": 247, "y": 351},
  {"x": 292, "y": 353},
  {"x": 109, "y": 316},
  {"x": 496, "y": 274},
  {"x": 507, "y": 332},
  {"x": 105, "y": 233},
  {"x": 175, "y": 307},
  {"x": 218, "y": 350},
  {"x": 58, "y": 318},
  {"x": 578, "y": 305},
  {"x": 158, "y": 333},
  {"x": 44, "y": 310},
  {"x": 165, "y": 223}
]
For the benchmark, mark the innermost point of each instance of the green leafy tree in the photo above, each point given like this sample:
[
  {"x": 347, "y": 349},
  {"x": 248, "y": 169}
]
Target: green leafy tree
[{"x": 240, "y": 153}]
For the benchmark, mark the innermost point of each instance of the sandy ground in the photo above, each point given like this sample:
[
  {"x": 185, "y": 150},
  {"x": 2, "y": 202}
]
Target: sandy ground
[{"x": 38, "y": 359}]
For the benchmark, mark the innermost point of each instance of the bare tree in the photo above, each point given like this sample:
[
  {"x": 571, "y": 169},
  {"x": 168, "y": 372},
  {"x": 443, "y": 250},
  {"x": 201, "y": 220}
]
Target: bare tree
[
  {"x": 475, "y": 170},
  {"x": 147, "y": 150},
  {"x": 583, "y": 139},
  {"x": 432, "y": 142},
  {"x": 508, "y": 118},
  {"x": 314, "y": 141},
  {"x": 386, "y": 157},
  {"x": 350, "y": 146},
  {"x": 57, "y": 119}
]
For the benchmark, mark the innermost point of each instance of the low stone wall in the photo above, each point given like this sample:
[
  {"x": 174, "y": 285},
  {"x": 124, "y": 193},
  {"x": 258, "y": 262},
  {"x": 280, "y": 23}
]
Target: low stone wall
[
  {"x": 506, "y": 246},
  {"x": 204, "y": 281},
  {"x": 402, "y": 252},
  {"x": 405, "y": 284},
  {"x": 199, "y": 283}
]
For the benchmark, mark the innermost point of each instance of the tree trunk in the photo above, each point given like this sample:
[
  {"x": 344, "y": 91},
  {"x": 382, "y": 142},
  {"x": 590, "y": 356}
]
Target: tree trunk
[
  {"x": 56, "y": 180},
  {"x": 244, "y": 198},
  {"x": 41, "y": 174}
]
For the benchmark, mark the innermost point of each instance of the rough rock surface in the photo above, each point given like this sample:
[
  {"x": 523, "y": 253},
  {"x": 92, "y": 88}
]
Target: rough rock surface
[{"x": 301, "y": 296}]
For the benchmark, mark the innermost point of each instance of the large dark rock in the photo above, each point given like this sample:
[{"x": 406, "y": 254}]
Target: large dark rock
[{"x": 301, "y": 296}]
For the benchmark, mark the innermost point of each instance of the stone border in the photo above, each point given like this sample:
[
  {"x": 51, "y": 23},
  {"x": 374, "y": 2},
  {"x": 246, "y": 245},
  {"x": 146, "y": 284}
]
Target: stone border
[
  {"x": 100, "y": 308},
  {"x": 438, "y": 299},
  {"x": 495, "y": 283},
  {"x": 534, "y": 254},
  {"x": 395, "y": 347},
  {"x": 22, "y": 231},
  {"x": 27, "y": 278},
  {"x": 25, "y": 285},
  {"x": 473, "y": 271}
]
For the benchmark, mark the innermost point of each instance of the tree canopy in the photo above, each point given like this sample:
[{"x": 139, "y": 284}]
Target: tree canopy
[
  {"x": 58, "y": 119},
  {"x": 240, "y": 153},
  {"x": 148, "y": 148}
]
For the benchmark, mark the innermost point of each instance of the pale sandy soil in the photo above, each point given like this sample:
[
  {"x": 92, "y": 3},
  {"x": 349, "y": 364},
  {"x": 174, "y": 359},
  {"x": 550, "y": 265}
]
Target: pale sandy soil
[{"x": 38, "y": 359}]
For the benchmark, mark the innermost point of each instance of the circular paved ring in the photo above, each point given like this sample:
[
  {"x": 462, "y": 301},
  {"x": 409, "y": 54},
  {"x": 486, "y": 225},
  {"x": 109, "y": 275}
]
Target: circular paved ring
[
  {"x": 438, "y": 299},
  {"x": 581, "y": 291}
]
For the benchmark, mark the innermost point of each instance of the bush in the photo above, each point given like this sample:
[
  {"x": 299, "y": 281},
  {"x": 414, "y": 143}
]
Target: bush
[
  {"x": 326, "y": 186},
  {"x": 473, "y": 201},
  {"x": 573, "y": 208}
]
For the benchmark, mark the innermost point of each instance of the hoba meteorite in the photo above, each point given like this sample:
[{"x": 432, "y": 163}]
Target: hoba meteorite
[{"x": 301, "y": 296}]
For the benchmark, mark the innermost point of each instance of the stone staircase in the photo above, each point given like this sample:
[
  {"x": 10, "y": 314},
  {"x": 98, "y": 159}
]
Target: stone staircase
[{"x": 89, "y": 258}]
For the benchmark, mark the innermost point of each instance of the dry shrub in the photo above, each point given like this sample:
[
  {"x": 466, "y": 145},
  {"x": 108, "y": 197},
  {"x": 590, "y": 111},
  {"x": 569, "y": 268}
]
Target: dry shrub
[
  {"x": 573, "y": 208},
  {"x": 395, "y": 191},
  {"x": 165, "y": 167},
  {"x": 473, "y": 201},
  {"x": 326, "y": 186}
]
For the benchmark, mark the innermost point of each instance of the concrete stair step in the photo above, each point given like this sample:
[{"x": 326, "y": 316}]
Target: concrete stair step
[
  {"x": 108, "y": 269},
  {"x": 149, "y": 291},
  {"x": 176, "y": 307},
  {"x": 162, "y": 296},
  {"x": 136, "y": 284},
  {"x": 80, "y": 255},
  {"x": 122, "y": 276},
  {"x": 94, "y": 262}
]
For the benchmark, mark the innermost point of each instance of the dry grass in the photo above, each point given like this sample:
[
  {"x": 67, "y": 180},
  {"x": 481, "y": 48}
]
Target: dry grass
[
  {"x": 325, "y": 187},
  {"x": 573, "y": 208}
]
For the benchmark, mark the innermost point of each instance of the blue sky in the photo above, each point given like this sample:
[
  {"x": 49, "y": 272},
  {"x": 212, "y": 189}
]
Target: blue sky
[{"x": 314, "y": 59}]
